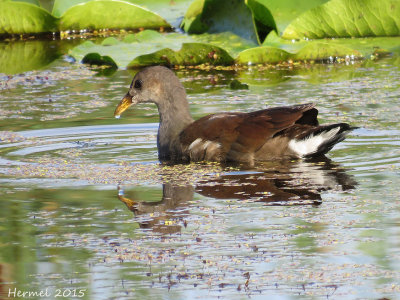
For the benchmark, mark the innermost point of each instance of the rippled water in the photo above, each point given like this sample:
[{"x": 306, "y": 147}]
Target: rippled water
[{"x": 85, "y": 205}]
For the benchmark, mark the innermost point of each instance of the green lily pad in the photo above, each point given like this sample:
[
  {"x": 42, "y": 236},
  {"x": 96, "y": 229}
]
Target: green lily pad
[
  {"x": 61, "y": 6},
  {"x": 34, "y": 2},
  {"x": 237, "y": 85},
  {"x": 110, "y": 41},
  {"x": 192, "y": 22},
  {"x": 150, "y": 47},
  {"x": 215, "y": 16},
  {"x": 21, "y": 56},
  {"x": 190, "y": 54},
  {"x": 133, "y": 45},
  {"x": 263, "y": 20},
  {"x": 262, "y": 55},
  {"x": 316, "y": 51},
  {"x": 369, "y": 46},
  {"x": 156, "y": 39},
  {"x": 97, "y": 59},
  {"x": 100, "y": 14},
  {"x": 321, "y": 51},
  {"x": 347, "y": 18},
  {"x": 25, "y": 18},
  {"x": 282, "y": 12},
  {"x": 45, "y": 4},
  {"x": 251, "y": 19},
  {"x": 232, "y": 43},
  {"x": 365, "y": 46},
  {"x": 169, "y": 10},
  {"x": 273, "y": 40}
]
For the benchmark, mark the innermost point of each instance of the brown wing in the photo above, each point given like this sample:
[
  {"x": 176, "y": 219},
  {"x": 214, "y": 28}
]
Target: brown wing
[
  {"x": 261, "y": 125},
  {"x": 213, "y": 136}
]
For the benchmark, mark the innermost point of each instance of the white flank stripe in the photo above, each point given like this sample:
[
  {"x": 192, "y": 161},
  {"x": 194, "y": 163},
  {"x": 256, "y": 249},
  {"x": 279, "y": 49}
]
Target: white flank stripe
[
  {"x": 205, "y": 145},
  {"x": 221, "y": 115},
  {"x": 211, "y": 145},
  {"x": 311, "y": 144},
  {"x": 195, "y": 143}
]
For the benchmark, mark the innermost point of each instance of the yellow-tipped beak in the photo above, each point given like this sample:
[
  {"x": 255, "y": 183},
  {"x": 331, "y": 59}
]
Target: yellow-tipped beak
[{"x": 123, "y": 105}]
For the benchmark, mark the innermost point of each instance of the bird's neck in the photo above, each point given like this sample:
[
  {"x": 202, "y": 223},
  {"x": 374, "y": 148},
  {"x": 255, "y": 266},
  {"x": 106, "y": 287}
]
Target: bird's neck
[{"x": 174, "y": 118}]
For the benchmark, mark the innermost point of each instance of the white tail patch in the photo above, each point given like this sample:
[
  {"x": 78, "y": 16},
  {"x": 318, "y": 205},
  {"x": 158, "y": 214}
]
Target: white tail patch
[{"x": 312, "y": 143}]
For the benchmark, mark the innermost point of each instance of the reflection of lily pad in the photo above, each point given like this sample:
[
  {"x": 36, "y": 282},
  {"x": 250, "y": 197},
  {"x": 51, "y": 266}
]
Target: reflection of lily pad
[
  {"x": 150, "y": 47},
  {"x": 22, "y": 56},
  {"x": 101, "y": 14},
  {"x": 22, "y": 17},
  {"x": 257, "y": 77},
  {"x": 347, "y": 18},
  {"x": 314, "y": 73},
  {"x": 319, "y": 73}
]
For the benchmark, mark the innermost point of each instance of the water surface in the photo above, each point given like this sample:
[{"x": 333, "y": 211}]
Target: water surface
[{"x": 86, "y": 205}]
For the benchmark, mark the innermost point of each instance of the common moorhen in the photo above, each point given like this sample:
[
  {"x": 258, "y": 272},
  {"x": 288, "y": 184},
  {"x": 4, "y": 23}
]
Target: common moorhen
[{"x": 273, "y": 133}]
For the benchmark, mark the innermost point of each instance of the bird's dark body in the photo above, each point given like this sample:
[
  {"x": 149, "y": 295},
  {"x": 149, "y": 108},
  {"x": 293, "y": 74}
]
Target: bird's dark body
[{"x": 273, "y": 133}]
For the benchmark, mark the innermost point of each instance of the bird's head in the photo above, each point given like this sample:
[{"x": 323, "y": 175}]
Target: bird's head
[{"x": 152, "y": 84}]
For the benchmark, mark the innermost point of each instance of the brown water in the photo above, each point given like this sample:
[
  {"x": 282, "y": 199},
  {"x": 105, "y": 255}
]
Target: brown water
[{"x": 86, "y": 207}]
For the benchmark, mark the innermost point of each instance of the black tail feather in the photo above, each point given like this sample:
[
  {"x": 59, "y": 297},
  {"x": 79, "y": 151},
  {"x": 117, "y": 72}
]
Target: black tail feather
[{"x": 328, "y": 144}]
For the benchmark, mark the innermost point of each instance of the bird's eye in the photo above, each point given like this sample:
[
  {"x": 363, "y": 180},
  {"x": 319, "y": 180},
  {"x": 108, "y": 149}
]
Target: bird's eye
[{"x": 138, "y": 84}]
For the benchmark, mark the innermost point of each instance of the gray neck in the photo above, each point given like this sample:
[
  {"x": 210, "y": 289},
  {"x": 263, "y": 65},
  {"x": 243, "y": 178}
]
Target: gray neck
[{"x": 174, "y": 117}]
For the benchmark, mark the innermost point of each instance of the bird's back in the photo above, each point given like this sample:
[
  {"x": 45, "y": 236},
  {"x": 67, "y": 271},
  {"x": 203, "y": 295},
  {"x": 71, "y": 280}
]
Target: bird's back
[{"x": 275, "y": 133}]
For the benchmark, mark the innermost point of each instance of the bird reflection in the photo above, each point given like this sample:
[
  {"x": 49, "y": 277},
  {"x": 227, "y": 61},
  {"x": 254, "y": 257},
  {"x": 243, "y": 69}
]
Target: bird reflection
[
  {"x": 162, "y": 216},
  {"x": 290, "y": 183}
]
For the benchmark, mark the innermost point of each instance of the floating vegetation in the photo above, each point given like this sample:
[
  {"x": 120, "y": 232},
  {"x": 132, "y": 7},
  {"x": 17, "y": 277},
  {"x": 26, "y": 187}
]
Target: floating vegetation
[
  {"x": 10, "y": 137},
  {"x": 123, "y": 173}
]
